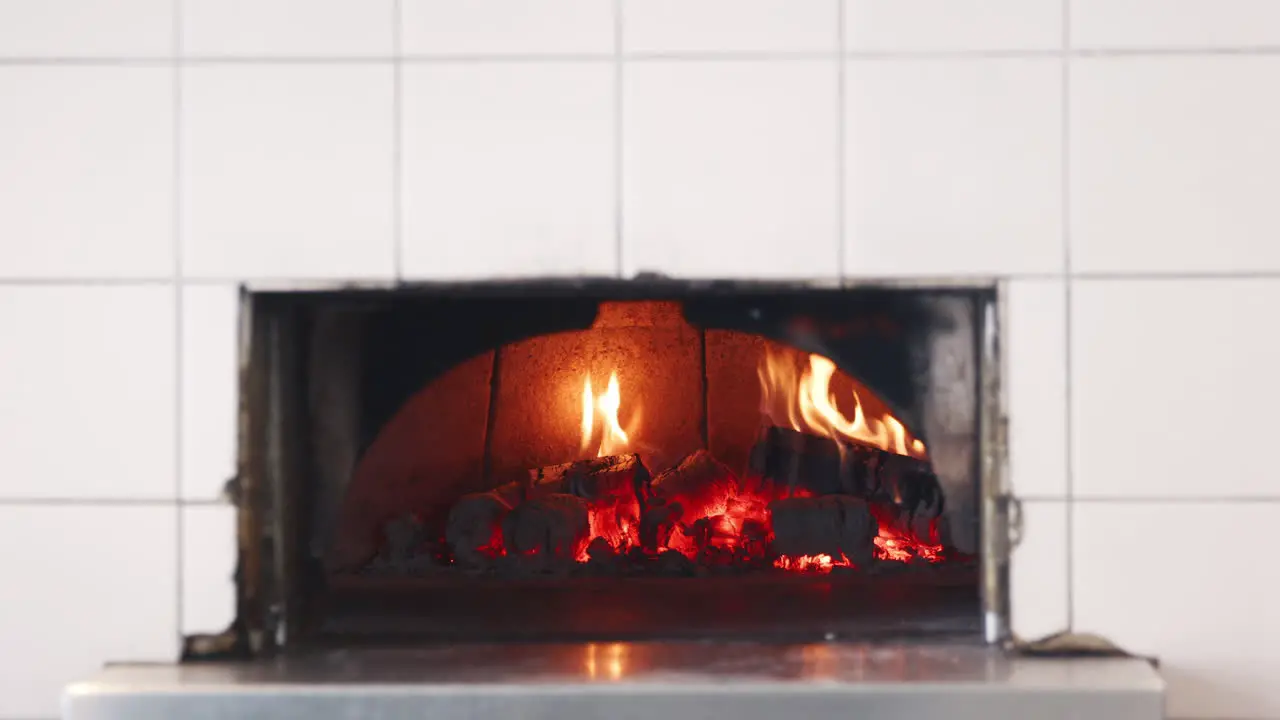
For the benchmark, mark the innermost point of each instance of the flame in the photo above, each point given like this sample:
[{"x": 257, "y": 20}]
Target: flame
[
  {"x": 804, "y": 401},
  {"x": 613, "y": 439}
]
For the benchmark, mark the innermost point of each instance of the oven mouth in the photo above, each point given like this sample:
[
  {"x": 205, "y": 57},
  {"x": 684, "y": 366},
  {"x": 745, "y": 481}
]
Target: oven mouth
[{"x": 345, "y": 509}]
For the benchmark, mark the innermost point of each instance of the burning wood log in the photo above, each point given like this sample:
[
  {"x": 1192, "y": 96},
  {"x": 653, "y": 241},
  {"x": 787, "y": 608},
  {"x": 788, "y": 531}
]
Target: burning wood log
[
  {"x": 755, "y": 537},
  {"x": 596, "y": 479},
  {"x": 474, "y": 528},
  {"x": 913, "y": 489},
  {"x": 553, "y": 528},
  {"x": 534, "y": 486},
  {"x": 599, "y": 550},
  {"x": 831, "y": 525},
  {"x": 795, "y": 459},
  {"x": 695, "y": 481},
  {"x": 657, "y": 523},
  {"x": 826, "y": 467}
]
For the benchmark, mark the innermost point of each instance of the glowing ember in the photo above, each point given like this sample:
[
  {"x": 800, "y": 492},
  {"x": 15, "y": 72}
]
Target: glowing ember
[
  {"x": 700, "y": 508},
  {"x": 893, "y": 543},
  {"x": 811, "y": 563},
  {"x": 804, "y": 401}
]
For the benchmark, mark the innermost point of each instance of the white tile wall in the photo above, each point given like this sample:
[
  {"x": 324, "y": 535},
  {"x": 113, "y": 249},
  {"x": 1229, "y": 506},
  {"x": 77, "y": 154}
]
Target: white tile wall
[
  {"x": 911, "y": 124},
  {"x": 208, "y": 568},
  {"x": 1038, "y": 595},
  {"x": 267, "y": 28},
  {"x": 729, "y": 169},
  {"x": 511, "y": 168},
  {"x": 83, "y": 583},
  {"x": 1175, "y": 153},
  {"x": 729, "y": 140},
  {"x": 287, "y": 171},
  {"x": 210, "y": 389},
  {"x": 86, "y": 170},
  {"x": 87, "y": 391},
  {"x": 1174, "y": 23},
  {"x": 1035, "y": 347},
  {"x": 1192, "y": 583},
  {"x": 1174, "y": 387},
  {"x": 698, "y": 26},
  {"x": 952, "y": 25},
  {"x": 86, "y": 28},
  {"x": 507, "y": 27}
]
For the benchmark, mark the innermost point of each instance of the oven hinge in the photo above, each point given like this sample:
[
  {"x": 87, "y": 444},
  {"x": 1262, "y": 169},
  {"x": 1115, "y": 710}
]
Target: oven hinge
[{"x": 1008, "y": 506}]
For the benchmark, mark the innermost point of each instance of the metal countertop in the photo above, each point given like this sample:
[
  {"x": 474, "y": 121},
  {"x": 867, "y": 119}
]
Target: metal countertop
[{"x": 640, "y": 681}]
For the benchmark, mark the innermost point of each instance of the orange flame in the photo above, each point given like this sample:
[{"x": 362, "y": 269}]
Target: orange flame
[
  {"x": 613, "y": 439},
  {"x": 805, "y": 401}
]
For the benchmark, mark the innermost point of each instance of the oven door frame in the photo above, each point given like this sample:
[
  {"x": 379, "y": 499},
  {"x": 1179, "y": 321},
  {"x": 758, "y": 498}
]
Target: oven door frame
[{"x": 270, "y": 605}]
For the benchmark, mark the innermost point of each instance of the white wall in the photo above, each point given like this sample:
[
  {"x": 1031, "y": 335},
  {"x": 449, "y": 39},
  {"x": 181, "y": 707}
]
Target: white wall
[{"x": 1115, "y": 161}]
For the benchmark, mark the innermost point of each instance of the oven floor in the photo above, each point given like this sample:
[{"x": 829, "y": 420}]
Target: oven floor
[
  {"x": 632, "y": 681},
  {"x": 928, "y": 604}
]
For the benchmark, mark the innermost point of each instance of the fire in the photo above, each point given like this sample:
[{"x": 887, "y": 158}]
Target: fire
[
  {"x": 613, "y": 439},
  {"x": 804, "y": 401},
  {"x": 811, "y": 563}
]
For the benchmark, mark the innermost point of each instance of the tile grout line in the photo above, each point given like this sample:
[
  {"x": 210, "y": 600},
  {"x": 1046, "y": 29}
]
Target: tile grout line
[
  {"x": 112, "y": 502},
  {"x": 709, "y": 56},
  {"x": 397, "y": 142},
  {"x": 322, "y": 282},
  {"x": 618, "y": 129},
  {"x": 1065, "y": 159},
  {"x": 179, "y": 374},
  {"x": 841, "y": 145}
]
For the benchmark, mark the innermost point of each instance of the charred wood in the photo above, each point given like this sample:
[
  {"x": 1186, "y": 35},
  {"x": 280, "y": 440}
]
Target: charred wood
[
  {"x": 694, "y": 480},
  {"x": 825, "y": 466},
  {"x": 657, "y": 524},
  {"x": 596, "y": 479},
  {"x": 832, "y": 525},
  {"x": 403, "y": 537},
  {"x": 474, "y": 528},
  {"x": 547, "y": 531}
]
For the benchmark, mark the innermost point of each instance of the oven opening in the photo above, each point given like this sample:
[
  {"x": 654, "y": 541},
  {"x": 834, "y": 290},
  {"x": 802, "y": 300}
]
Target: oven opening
[{"x": 610, "y": 461}]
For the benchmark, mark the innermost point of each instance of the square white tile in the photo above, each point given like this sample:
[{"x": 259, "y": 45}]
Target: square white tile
[
  {"x": 210, "y": 388},
  {"x": 952, "y": 25},
  {"x": 507, "y": 27},
  {"x": 1174, "y": 387},
  {"x": 87, "y": 395},
  {"x": 1035, "y": 375},
  {"x": 696, "y": 26},
  {"x": 1039, "y": 597},
  {"x": 288, "y": 171},
  {"x": 1174, "y": 23},
  {"x": 86, "y": 167},
  {"x": 509, "y": 170},
  {"x": 729, "y": 169},
  {"x": 209, "y": 554},
  {"x": 260, "y": 28},
  {"x": 953, "y": 166},
  {"x": 86, "y": 28},
  {"x": 83, "y": 585},
  {"x": 1172, "y": 163},
  {"x": 1193, "y": 585}
]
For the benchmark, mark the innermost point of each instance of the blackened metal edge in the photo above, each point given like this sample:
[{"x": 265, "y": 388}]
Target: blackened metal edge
[
  {"x": 641, "y": 280},
  {"x": 994, "y": 525},
  {"x": 264, "y": 314}
]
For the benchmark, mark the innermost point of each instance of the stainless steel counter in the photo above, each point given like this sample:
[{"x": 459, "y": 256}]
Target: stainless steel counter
[{"x": 631, "y": 681}]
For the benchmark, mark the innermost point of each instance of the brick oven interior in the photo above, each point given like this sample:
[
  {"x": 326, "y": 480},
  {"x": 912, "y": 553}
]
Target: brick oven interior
[{"x": 606, "y": 460}]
